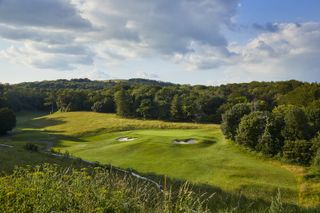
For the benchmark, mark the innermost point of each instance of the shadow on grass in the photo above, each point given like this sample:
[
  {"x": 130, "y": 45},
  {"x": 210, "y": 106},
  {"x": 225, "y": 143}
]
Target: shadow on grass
[
  {"x": 231, "y": 202},
  {"x": 40, "y": 123}
]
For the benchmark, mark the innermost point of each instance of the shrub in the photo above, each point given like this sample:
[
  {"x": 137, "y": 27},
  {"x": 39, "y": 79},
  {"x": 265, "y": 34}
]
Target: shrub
[
  {"x": 106, "y": 105},
  {"x": 316, "y": 160},
  {"x": 232, "y": 118},
  {"x": 298, "y": 151},
  {"x": 296, "y": 125},
  {"x": 31, "y": 147},
  {"x": 7, "y": 120},
  {"x": 251, "y": 129}
]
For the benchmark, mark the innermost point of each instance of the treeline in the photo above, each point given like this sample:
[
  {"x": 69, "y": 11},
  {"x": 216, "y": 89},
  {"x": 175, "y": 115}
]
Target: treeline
[
  {"x": 275, "y": 118},
  {"x": 288, "y": 131},
  {"x": 147, "y": 99}
]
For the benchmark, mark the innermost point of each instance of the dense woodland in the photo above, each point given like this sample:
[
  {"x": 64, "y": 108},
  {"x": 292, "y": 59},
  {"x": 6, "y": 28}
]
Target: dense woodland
[{"x": 279, "y": 119}]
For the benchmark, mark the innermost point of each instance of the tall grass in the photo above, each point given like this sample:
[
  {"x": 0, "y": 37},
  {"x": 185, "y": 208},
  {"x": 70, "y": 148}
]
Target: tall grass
[{"x": 49, "y": 188}]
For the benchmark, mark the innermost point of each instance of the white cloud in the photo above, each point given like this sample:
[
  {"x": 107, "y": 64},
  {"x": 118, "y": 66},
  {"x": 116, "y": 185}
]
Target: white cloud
[
  {"x": 147, "y": 75},
  {"x": 68, "y": 34},
  {"x": 290, "y": 52},
  {"x": 115, "y": 29}
]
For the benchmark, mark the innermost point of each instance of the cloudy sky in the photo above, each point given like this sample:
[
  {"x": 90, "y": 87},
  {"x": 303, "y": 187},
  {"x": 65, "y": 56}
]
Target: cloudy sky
[{"x": 181, "y": 41}]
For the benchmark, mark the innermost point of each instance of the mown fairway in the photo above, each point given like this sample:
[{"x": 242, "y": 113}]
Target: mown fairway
[{"x": 212, "y": 160}]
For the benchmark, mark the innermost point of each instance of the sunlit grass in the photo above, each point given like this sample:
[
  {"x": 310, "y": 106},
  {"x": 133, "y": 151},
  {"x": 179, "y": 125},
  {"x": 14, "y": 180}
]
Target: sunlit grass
[{"x": 218, "y": 163}]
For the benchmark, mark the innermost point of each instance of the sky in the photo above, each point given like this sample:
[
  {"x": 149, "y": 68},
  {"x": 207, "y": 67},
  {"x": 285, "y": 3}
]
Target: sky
[{"x": 207, "y": 42}]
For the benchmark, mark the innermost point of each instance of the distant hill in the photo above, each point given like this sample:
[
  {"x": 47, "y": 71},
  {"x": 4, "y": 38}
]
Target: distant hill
[{"x": 84, "y": 83}]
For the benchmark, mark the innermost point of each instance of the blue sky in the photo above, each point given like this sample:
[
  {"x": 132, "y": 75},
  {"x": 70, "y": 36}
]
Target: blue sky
[{"x": 183, "y": 41}]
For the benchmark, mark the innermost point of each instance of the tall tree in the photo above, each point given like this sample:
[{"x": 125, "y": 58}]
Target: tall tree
[
  {"x": 176, "y": 108},
  {"x": 7, "y": 120},
  {"x": 232, "y": 118},
  {"x": 123, "y": 103},
  {"x": 251, "y": 128}
]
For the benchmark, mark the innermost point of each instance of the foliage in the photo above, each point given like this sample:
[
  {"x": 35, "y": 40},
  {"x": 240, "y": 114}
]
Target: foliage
[
  {"x": 298, "y": 151},
  {"x": 123, "y": 102},
  {"x": 31, "y": 147},
  {"x": 106, "y": 105},
  {"x": 232, "y": 118},
  {"x": 44, "y": 189},
  {"x": 176, "y": 108},
  {"x": 296, "y": 124},
  {"x": 277, "y": 205},
  {"x": 198, "y": 103},
  {"x": 251, "y": 128},
  {"x": 7, "y": 120}
]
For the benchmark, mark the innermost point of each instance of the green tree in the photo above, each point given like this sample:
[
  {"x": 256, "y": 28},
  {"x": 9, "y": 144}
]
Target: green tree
[
  {"x": 50, "y": 101},
  {"x": 232, "y": 118},
  {"x": 123, "y": 103},
  {"x": 176, "y": 108},
  {"x": 251, "y": 128},
  {"x": 163, "y": 100},
  {"x": 298, "y": 151},
  {"x": 106, "y": 105},
  {"x": 146, "y": 109},
  {"x": 296, "y": 124},
  {"x": 7, "y": 120},
  {"x": 313, "y": 114}
]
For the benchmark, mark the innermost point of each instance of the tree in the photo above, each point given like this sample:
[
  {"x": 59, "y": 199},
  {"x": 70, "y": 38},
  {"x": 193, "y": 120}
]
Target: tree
[
  {"x": 298, "y": 151},
  {"x": 191, "y": 109},
  {"x": 296, "y": 124},
  {"x": 73, "y": 100},
  {"x": 2, "y": 99},
  {"x": 251, "y": 128},
  {"x": 176, "y": 108},
  {"x": 163, "y": 100},
  {"x": 106, "y": 105},
  {"x": 50, "y": 101},
  {"x": 271, "y": 142},
  {"x": 146, "y": 109},
  {"x": 7, "y": 120},
  {"x": 232, "y": 118},
  {"x": 123, "y": 103},
  {"x": 313, "y": 114}
]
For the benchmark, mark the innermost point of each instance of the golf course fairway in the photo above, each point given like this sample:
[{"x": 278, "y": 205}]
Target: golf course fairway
[{"x": 212, "y": 160}]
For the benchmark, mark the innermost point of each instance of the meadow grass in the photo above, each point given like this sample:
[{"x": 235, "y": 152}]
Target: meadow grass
[
  {"x": 213, "y": 161},
  {"x": 50, "y": 188}
]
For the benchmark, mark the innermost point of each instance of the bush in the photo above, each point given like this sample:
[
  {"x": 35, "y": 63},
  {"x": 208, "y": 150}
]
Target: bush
[
  {"x": 296, "y": 125},
  {"x": 106, "y": 105},
  {"x": 316, "y": 160},
  {"x": 7, "y": 120},
  {"x": 251, "y": 129},
  {"x": 298, "y": 151},
  {"x": 232, "y": 118},
  {"x": 31, "y": 147}
]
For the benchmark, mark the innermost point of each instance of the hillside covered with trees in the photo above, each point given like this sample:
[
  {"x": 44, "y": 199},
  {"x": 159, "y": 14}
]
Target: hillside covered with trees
[{"x": 275, "y": 118}]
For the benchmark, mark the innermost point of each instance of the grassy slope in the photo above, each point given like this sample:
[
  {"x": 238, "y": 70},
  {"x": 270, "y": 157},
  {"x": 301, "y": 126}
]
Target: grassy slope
[
  {"x": 92, "y": 137},
  {"x": 18, "y": 156},
  {"x": 220, "y": 164}
]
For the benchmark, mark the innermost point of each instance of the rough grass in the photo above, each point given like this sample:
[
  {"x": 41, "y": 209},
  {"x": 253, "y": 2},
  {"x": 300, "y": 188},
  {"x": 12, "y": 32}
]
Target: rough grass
[
  {"x": 54, "y": 189},
  {"x": 213, "y": 161}
]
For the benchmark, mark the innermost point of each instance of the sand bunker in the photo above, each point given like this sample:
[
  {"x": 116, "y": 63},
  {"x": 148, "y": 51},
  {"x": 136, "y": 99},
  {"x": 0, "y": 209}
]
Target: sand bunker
[
  {"x": 125, "y": 139},
  {"x": 188, "y": 141}
]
